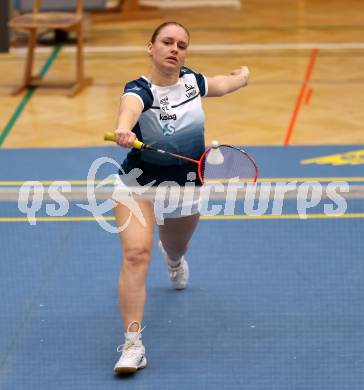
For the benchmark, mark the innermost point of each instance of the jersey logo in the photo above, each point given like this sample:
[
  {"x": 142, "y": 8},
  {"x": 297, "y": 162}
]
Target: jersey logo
[
  {"x": 134, "y": 89},
  {"x": 167, "y": 117},
  {"x": 190, "y": 90},
  {"x": 164, "y": 104},
  {"x": 169, "y": 129}
]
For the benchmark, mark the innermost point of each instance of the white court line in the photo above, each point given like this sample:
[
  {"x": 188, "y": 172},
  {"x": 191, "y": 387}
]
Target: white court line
[
  {"x": 232, "y": 47},
  {"x": 190, "y": 3}
]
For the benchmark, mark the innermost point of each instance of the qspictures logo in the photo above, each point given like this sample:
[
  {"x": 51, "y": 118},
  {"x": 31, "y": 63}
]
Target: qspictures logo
[{"x": 168, "y": 198}]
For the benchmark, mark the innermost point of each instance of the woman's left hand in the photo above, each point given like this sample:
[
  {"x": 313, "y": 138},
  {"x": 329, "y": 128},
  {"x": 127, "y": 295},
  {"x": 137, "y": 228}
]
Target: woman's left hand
[{"x": 243, "y": 71}]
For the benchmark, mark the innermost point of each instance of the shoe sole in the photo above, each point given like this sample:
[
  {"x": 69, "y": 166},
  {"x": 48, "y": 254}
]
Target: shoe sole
[{"x": 128, "y": 370}]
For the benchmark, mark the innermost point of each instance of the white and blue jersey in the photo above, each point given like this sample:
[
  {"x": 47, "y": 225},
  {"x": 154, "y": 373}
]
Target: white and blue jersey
[{"x": 173, "y": 120}]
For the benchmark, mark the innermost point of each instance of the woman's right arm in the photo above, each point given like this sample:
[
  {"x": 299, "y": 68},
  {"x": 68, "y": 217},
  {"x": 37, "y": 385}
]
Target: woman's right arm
[{"x": 129, "y": 113}]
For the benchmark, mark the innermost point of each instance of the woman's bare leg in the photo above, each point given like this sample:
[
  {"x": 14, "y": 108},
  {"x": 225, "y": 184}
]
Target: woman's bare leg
[
  {"x": 176, "y": 233},
  {"x": 137, "y": 240}
]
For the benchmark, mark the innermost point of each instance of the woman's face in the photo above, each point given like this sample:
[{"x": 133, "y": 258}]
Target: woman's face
[{"x": 168, "y": 52}]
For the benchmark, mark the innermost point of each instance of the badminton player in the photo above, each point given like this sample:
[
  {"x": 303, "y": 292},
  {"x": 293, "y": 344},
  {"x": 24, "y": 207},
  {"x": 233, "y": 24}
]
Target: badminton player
[{"x": 162, "y": 109}]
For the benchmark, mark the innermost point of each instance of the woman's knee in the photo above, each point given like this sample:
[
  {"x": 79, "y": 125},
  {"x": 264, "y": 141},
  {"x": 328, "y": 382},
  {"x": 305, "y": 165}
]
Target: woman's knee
[{"x": 136, "y": 257}]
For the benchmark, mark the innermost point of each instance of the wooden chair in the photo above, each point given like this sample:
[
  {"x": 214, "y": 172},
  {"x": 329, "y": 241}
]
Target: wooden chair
[{"x": 51, "y": 20}]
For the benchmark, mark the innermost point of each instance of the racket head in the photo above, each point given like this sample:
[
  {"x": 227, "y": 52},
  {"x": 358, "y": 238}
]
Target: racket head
[{"x": 237, "y": 164}]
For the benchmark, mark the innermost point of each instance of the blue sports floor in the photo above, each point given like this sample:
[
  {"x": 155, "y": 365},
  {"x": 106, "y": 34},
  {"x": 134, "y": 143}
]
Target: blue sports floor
[{"x": 273, "y": 303}]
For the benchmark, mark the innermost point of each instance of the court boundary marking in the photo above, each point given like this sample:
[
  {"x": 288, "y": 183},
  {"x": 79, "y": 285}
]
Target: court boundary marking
[
  {"x": 28, "y": 95},
  {"x": 138, "y": 30},
  {"x": 216, "y": 47},
  {"x": 204, "y": 218},
  {"x": 306, "y": 80},
  {"x": 19, "y": 183},
  {"x": 176, "y": 5},
  {"x": 100, "y": 56}
]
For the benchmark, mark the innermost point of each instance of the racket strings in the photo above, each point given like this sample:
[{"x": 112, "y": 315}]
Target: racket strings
[{"x": 228, "y": 162}]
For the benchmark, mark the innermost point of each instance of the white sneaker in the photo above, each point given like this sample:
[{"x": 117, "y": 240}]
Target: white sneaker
[
  {"x": 132, "y": 352},
  {"x": 178, "y": 275}
]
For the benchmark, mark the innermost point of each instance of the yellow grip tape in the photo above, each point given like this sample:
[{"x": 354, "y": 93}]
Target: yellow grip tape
[{"x": 109, "y": 136}]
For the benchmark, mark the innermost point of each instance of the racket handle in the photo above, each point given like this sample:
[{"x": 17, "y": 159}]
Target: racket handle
[{"x": 109, "y": 136}]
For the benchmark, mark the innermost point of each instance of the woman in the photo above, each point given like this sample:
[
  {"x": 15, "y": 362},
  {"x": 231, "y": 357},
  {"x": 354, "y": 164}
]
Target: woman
[{"x": 165, "y": 110}]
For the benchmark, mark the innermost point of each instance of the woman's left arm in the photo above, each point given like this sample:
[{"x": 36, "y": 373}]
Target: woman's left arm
[{"x": 221, "y": 85}]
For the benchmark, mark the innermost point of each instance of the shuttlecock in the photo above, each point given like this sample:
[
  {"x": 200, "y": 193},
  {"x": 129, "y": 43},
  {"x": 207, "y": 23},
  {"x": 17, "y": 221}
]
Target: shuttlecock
[{"x": 214, "y": 156}]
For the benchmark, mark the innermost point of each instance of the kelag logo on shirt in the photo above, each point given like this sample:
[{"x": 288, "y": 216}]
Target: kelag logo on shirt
[{"x": 167, "y": 117}]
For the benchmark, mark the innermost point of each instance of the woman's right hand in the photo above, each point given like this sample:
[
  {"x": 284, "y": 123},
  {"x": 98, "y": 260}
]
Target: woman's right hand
[{"x": 124, "y": 138}]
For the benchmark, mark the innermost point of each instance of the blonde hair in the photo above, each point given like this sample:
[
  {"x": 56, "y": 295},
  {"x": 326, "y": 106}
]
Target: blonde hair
[{"x": 165, "y": 24}]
